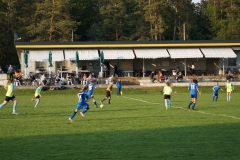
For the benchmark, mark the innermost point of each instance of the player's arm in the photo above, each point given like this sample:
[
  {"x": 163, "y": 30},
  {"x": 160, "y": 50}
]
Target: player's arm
[{"x": 200, "y": 93}]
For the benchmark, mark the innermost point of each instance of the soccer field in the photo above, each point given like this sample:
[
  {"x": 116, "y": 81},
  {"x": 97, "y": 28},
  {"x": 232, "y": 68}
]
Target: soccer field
[{"x": 134, "y": 126}]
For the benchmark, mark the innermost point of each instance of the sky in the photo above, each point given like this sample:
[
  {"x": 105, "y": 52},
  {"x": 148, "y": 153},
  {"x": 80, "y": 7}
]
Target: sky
[{"x": 196, "y": 1}]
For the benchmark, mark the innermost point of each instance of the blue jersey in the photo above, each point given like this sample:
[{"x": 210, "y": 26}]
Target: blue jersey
[
  {"x": 119, "y": 84},
  {"x": 83, "y": 97},
  {"x": 90, "y": 89},
  {"x": 193, "y": 88},
  {"x": 216, "y": 88}
]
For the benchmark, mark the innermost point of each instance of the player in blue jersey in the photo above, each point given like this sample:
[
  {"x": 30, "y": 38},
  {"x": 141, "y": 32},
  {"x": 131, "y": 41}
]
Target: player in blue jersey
[
  {"x": 215, "y": 92},
  {"x": 91, "y": 86},
  {"x": 82, "y": 103},
  {"x": 193, "y": 87}
]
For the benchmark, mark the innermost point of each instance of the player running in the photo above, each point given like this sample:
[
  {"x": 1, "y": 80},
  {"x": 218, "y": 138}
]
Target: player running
[
  {"x": 108, "y": 93},
  {"x": 91, "y": 86},
  {"x": 37, "y": 95},
  {"x": 215, "y": 92},
  {"x": 193, "y": 87},
  {"x": 82, "y": 103},
  {"x": 10, "y": 96},
  {"x": 230, "y": 88}
]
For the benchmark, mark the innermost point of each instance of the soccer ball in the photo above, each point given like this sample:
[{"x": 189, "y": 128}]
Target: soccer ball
[{"x": 101, "y": 106}]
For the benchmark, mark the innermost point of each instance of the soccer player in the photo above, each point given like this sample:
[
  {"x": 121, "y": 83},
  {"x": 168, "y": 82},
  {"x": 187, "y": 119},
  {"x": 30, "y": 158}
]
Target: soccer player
[
  {"x": 119, "y": 87},
  {"x": 193, "y": 87},
  {"x": 215, "y": 92},
  {"x": 230, "y": 88},
  {"x": 10, "y": 96},
  {"x": 167, "y": 91},
  {"x": 37, "y": 95},
  {"x": 108, "y": 93},
  {"x": 91, "y": 86},
  {"x": 82, "y": 103}
]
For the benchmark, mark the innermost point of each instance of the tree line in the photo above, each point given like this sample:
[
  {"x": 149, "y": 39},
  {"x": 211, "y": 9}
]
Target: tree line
[{"x": 114, "y": 20}]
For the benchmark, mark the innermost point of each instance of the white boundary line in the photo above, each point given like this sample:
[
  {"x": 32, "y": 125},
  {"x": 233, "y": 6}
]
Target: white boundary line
[{"x": 202, "y": 112}]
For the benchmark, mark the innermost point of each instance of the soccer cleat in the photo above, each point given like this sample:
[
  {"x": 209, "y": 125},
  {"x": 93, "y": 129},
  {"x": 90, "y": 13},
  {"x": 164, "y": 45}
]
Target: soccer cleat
[
  {"x": 70, "y": 119},
  {"x": 82, "y": 114},
  {"x": 32, "y": 100},
  {"x": 14, "y": 113},
  {"x": 96, "y": 106}
]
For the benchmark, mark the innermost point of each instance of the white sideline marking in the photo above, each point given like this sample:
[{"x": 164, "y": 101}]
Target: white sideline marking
[{"x": 223, "y": 115}]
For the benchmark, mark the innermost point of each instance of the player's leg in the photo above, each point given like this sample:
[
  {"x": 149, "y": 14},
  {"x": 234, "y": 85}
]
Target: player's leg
[
  {"x": 169, "y": 102},
  {"x": 106, "y": 97},
  {"x": 37, "y": 99},
  {"x": 73, "y": 114},
  {"x": 94, "y": 101},
  {"x": 191, "y": 102},
  {"x": 14, "y": 106},
  {"x": 85, "y": 109},
  {"x": 229, "y": 96},
  {"x": 4, "y": 103},
  {"x": 109, "y": 99},
  {"x": 194, "y": 102}
]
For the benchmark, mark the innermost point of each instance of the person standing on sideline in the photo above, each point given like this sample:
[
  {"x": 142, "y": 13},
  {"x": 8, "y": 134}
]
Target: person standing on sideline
[
  {"x": 115, "y": 70},
  {"x": 230, "y": 88},
  {"x": 215, "y": 92},
  {"x": 91, "y": 86},
  {"x": 37, "y": 95},
  {"x": 193, "y": 69},
  {"x": 82, "y": 103},
  {"x": 108, "y": 93},
  {"x": 167, "y": 92},
  {"x": 119, "y": 87},
  {"x": 10, "y": 96},
  {"x": 10, "y": 71},
  {"x": 193, "y": 87}
]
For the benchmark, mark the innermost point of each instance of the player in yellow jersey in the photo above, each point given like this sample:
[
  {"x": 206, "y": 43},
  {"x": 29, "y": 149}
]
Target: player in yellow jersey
[
  {"x": 167, "y": 92},
  {"x": 10, "y": 96},
  {"x": 37, "y": 95},
  {"x": 229, "y": 86},
  {"x": 108, "y": 93}
]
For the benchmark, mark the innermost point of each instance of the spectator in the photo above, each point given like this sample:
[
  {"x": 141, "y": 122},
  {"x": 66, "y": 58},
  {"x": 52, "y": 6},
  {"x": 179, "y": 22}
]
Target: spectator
[
  {"x": 152, "y": 77},
  {"x": 229, "y": 76},
  {"x": 69, "y": 79},
  {"x": 174, "y": 72},
  {"x": 193, "y": 68},
  {"x": 18, "y": 77},
  {"x": 32, "y": 78},
  {"x": 10, "y": 71},
  {"x": 1, "y": 71},
  {"x": 160, "y": 77},
  {"x": 179, "y": 76},
  {"x": 115, "y": 70},
  {"x": 43, "y": 79},
  {"x": 105, "y": 70},
  {"x": 57, "y": 79}
]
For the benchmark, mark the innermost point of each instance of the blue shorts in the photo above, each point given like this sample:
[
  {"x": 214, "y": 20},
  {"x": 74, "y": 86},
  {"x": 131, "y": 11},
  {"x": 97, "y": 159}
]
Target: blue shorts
[
  {"x": 193, "y": 95},
  {"x": 82, "y": 106},
  {"x": 215, "y": 94}
]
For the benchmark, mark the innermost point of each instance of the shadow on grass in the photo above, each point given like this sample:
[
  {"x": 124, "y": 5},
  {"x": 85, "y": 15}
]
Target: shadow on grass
[{"x": 196, "y": 142}]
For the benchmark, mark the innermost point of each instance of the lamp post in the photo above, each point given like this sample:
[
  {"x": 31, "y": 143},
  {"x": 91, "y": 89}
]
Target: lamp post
[{"x": 223, "y": 67}]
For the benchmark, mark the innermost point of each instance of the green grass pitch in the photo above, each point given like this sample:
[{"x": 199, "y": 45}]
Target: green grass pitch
[{"x": 134, "y": 126}]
